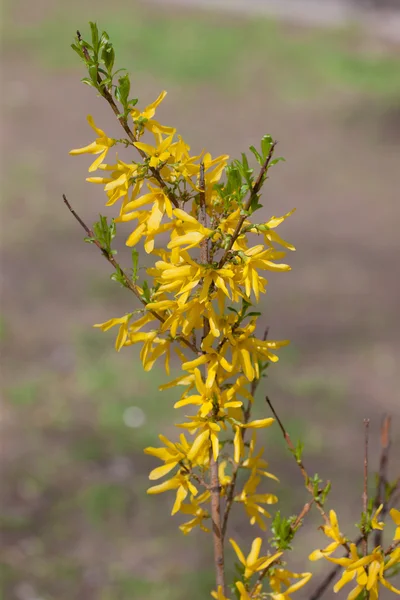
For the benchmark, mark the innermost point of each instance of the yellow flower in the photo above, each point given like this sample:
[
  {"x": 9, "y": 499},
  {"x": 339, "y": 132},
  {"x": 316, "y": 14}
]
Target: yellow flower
[
  {"x": 374, "y": 519},
  {"x": 244, "y": 594},
  {"x": 271, "y": 236},
  {"x": 255, "y": 259},
  {"x": 395, "y": 514},
  {"x": 368, "y": 572},
  {"x": 255, "y": 462},
  {"x": 282, "y": 577},
  {"x": 219, "y": 594},
  {"x": 332, "y": 531},
  {"x": 252, "y": 501},
  {"x": 254, "y": 562},
  {"x": 180, "y": 482},
  {"x": 158, "y": 154},
  {"x": 117, "y": 184},
  {"x": 150, "y": 221},
  {"x": 172, "y": 455},
  {"x": 199, "y": 514},
  {"x": 100, "y": 146},
  {"x": 148, "y": 114},
  {"x": 123, "y": 329},
  {"x": 188, "y": 231}
]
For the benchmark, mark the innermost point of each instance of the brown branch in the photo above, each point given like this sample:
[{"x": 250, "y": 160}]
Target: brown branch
[
  {"x": 127, "y": 280},
  {"x": 253, "y": 194},
  {"x": 306, "y": 508},
  {"x": 383, "y": 476},
  {"x": 392, "y": 546},
  {"x": 365, "y": 490},
  {"x": 218, "y": 539},
  {"x": 124, "y": 124}
]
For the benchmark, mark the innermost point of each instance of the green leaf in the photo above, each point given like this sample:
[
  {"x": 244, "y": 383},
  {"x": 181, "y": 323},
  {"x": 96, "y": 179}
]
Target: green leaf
[
  {"x": 266, "y": 144},
  {"x": 258, "y": 156},
  {"x": 122, "y": 91},
  {"x": 88, "y": 82},
  {"x": 108, "y": 56},
  {"x": 135, "y": 262},
  {"x": 93, "y": 74},
  {"x": 95, "y": 37},
  {"x": 276, "y": 160},
  {"x": 146, "y": 291}
]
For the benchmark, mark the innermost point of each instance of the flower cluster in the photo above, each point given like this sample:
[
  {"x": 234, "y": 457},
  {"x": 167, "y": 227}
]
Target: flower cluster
[{"x": 195, "y": 215}]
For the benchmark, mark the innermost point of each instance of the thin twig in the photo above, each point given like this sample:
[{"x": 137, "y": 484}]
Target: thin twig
[
  {"x": 255, "y": 189},
  {"x": 383, "y": 476},
  {"x": 306, "y": 508},
  {"x": 391, "y": 500},
  {"x": 299, "y": 462},
  {"x": 127, "y": 280},
  {"x": 124, "y": 124},
  {"x": 365, "y": 490}
]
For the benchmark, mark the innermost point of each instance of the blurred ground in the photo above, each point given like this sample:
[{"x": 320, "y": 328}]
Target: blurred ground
[{"x": 75, "y": 416}]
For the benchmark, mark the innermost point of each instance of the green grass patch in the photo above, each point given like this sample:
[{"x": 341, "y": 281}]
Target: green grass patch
[
  {"x": 191, "y": 48},
  {"x": 23, "y": 394}
]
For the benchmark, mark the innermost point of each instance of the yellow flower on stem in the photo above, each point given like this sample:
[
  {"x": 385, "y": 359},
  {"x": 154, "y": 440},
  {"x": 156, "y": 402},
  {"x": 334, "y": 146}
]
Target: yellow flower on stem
[
  {"x": 252, "y": 501},
  {"x": 259, "y": 258},
  {"x": 208, "y": 436},
  {"x": 158, "y": 154},
  {"x": 375, "y": 524},
  {"x": 219, "y": 594},
  {"x": 254, "y": 562},
  {"x": 100, "y": 146},
  {"x": 255, "y": 462},
  {"x": 123, "y": 329},
  {"x": 180, "y": 482},
  {"x": 282, "y": 578},
  {"x": 368, "y": 572},
  {"x": 148, "y": 114},
  {"x": 199, "y": 514},
  {"x": 331, "y": 531},
  {"x": 189, "y": 232},
  {"x": 395, "y": 514}
]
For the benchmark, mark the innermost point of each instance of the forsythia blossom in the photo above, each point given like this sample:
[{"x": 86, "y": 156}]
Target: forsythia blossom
[{"x": 194, "y": 216}]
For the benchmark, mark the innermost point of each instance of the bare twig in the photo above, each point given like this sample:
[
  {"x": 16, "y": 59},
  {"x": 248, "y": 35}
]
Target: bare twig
[
  {"x": 306, "y": 508},
  {"x": 383, "y": 476},
  {"x": 253, "y": 194},
  {"x": 391, "y": 500},
  {"x": 365, "y": 490},
  {"x": 300, "y": 463},
  {"x": 127, "y": 280},
  {"x": 124, "y": 124},
  {"x": 392, "y": 546}
]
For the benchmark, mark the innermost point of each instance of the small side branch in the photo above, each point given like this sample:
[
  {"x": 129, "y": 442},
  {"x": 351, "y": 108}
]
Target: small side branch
[
  {"x": 124, "y": 124},
  {"x": 127, "y": 280},
  {"x": 365, "y": 490},
  {"x": 300, "y": 464},
  {"x": 256, "y": 188},
  {"x": 383, "y": 476}
]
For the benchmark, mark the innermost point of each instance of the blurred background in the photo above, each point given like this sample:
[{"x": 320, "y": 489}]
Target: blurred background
[{"x": 76, "y": 521}]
